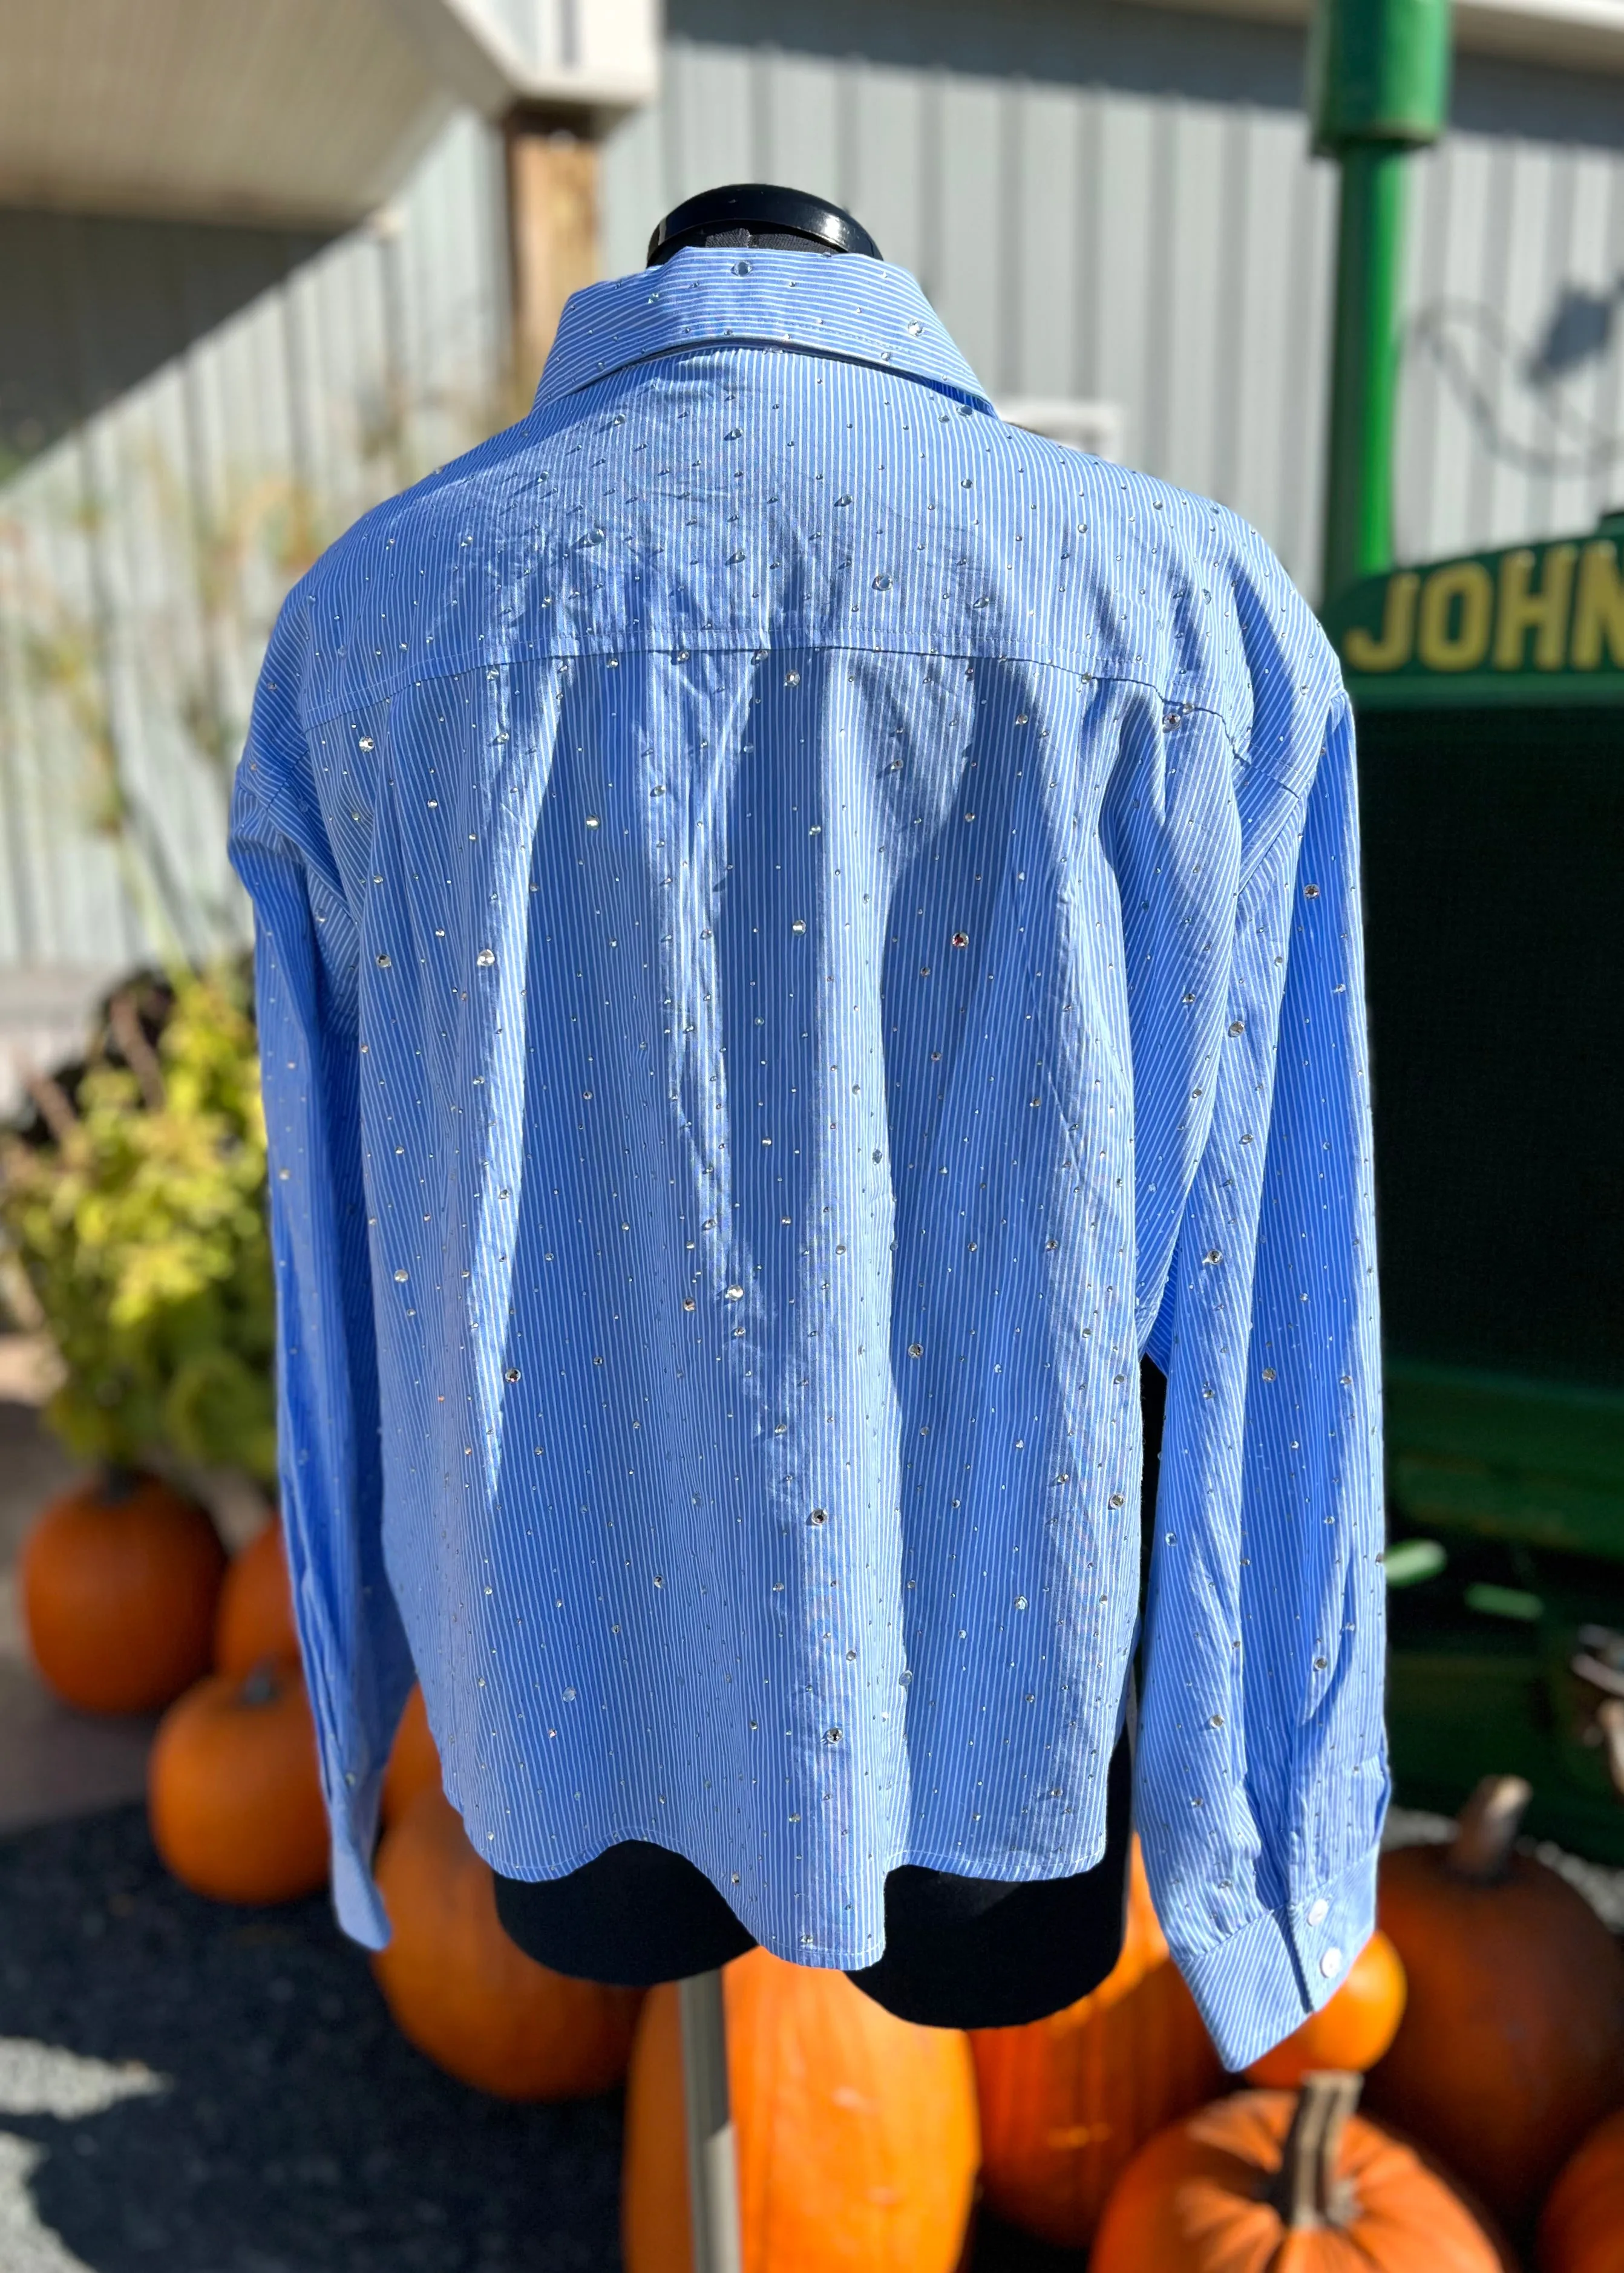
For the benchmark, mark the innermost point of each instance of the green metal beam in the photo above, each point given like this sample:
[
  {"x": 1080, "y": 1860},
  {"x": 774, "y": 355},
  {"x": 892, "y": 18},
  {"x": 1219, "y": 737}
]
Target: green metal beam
[
  {"x": 1364, "y": 357},
  {"x": 1378, "y": 80}
]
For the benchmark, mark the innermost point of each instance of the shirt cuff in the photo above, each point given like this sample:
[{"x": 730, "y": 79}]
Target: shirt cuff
[{"x": 1257, "y": 1986}]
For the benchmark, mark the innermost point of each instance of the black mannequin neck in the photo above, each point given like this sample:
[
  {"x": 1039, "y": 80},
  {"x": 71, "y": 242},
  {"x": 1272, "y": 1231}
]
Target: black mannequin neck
[{"x": 761, "y": 214}]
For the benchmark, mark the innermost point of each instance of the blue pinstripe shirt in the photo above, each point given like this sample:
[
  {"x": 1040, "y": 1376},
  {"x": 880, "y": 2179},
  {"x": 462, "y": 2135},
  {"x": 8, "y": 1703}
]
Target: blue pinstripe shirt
[{"x": 801, "y": 928}]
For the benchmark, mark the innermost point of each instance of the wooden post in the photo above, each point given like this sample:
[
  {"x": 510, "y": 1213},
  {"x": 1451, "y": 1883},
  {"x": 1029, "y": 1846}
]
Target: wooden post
[
  {"x": 551, "y": 231},
  {"x": 713, "y": 2156}
]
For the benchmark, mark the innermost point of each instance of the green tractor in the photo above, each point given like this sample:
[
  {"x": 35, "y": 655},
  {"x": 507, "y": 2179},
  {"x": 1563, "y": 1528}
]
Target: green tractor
[{"x": 1489, "y": 699}]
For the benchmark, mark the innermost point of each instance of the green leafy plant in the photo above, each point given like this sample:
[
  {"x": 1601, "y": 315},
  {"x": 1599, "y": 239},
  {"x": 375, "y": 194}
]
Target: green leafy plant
[{"x": 136, "y": 1206}]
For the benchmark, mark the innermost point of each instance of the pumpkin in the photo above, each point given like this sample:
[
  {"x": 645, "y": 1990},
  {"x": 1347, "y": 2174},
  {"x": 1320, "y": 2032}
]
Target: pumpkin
[
  {"x": 856, "y": 2132},
  {"x": 1065, "y": 2101},
  {"x": 255, "y": 1618},
  {"x": 464, "y": 1994},
  {"x": 1581, "y": 2227},
  {"x": 414, "y": 1760},
  {"x": 1281, "y": 2182},
  {"x": 119, "y": 1580},
  {"x": 1512, "y": 2044},
  {"x": 233, "y": 1790},
  {"x": 1352, "y": 2030}
]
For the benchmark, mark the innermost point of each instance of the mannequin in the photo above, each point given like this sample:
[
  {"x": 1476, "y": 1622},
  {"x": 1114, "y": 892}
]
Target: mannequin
[
  {"x": 959, "y": 1953},
  {"x": 761, "y": 214},
  {"x": 778, "y": 926}
]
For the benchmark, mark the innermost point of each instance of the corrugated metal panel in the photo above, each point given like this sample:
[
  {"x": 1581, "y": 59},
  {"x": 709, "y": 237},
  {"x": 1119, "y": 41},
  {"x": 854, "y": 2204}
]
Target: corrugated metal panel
[
  {"x": 1092, "y": 217},
  {"x": 1113, "y": 204},
  {"x": 143, "y": 556},
  {"x": 1514, "y": 381},
  {"x": 1119, "y": 205}
]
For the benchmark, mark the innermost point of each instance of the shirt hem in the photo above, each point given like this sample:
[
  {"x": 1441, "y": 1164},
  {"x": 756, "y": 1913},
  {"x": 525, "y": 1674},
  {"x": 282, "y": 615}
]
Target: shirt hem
[{"x": 362, "y": 1915}]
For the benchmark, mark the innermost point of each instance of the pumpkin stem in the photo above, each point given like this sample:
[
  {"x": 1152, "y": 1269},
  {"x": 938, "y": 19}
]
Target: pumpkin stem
[
  {"x": 262, "y": 1686},
  {"x": 1489, "y": 1824},
  {"x": 1306, "y": 2191}
]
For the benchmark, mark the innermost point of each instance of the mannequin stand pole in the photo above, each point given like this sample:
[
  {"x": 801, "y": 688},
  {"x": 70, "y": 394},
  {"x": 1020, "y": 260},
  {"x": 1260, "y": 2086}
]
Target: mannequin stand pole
[{"x": 712, "y": 2161}]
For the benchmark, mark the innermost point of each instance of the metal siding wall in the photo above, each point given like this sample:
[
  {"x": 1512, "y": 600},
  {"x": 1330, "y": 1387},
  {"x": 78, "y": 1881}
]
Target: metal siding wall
[
  {"x": 143, "y": 557},
  {"x": 1104, "y": 202},
  {"x": 1123, "y": 207},
  {"x": 1166, "y": 251},
  {"x": 1503, "y": 227}
]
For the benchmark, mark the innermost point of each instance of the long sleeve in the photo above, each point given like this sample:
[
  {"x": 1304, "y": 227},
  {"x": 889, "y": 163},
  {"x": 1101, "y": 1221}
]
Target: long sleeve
[
  {"x": 1262, "y": 1777},
  {"x": 355, "y": 1660}
]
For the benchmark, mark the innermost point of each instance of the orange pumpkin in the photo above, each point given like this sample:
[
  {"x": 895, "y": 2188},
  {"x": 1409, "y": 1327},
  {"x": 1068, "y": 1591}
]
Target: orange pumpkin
[
  {"x": 1279, "y": 2182},
  {"x": 1067, "y": 2100},
  {"x": 120, "y": 1582},
  {"x": 255, "y": 1618},
  {"x": 1352, "y": 2030},
  {"x": 414, "y": 1760},
  {"x": 856, "y": 2132},
  {"x": 233, "y": 1791},
  {"x": 464, "y": 1994},
  {"x": 1512, "y": 2044},
  {"x": 1581, "y": 2228}
]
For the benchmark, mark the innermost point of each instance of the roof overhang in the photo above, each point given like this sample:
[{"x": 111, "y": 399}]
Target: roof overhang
[
  {"x": 304, "y": 113},
  {"x": 1565, "y": 35}
]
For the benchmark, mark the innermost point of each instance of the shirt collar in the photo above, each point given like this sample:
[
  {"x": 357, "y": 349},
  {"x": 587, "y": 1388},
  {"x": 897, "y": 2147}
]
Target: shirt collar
[{"x": 847, "y": 305}]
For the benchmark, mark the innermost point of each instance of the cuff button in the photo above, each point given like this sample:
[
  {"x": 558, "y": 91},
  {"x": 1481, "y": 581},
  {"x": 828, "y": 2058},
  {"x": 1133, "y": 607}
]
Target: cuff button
[
  {"x": 1331, "y": 1964},
  {"x": 1318, "y": 1912}
]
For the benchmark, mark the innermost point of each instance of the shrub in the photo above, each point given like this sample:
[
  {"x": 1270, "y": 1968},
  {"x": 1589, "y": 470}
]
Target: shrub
[{"x": 136, "y": 1205}]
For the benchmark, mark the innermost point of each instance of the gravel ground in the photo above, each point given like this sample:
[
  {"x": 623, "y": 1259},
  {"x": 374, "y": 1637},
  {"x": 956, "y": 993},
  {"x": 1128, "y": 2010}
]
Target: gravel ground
[
  {"x": 188, "y": 2089},
  {"x": 274, "y": 2121}
]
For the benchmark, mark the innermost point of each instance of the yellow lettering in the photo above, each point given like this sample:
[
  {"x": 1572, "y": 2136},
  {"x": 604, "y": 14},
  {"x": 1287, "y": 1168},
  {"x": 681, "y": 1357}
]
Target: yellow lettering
[
  {"x": 1600, "y": 610},
  {"x": 1392, "y": 650},
  {"x": 1444, "y": 644},
  {"x": 1544, "y": 612}
]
